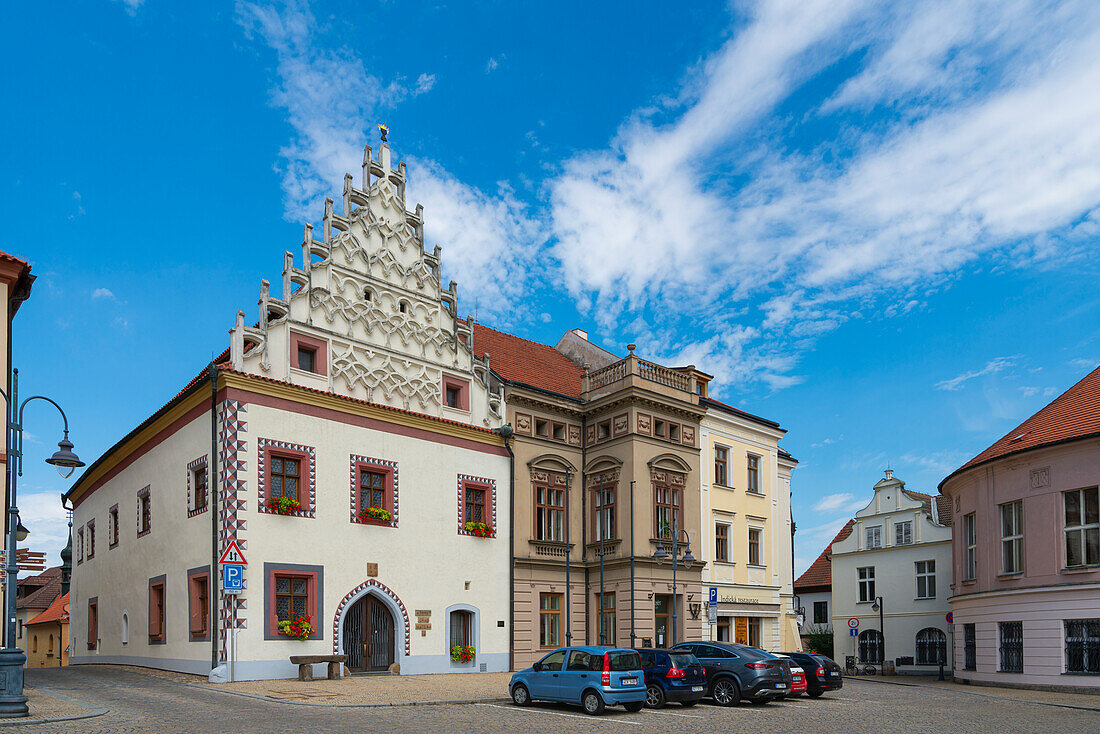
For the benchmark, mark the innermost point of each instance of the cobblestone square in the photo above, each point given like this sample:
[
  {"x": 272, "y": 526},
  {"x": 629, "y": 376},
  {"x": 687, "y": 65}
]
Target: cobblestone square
[{"x": 138, "y": 702}]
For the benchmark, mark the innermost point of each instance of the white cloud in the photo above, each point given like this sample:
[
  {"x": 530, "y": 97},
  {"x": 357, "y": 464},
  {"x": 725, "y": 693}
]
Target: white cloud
[
  {"x": 835, "y": 502},
  {"x": 424, "y": 83},
  {"x": 104, "y": 293},
  {"x": 715, "y": 209},
  {"x": 331, "y": 100},
  {"x": 131, "y": 6},
  {"x": 492, "y": 64},
  {"x": 992, "y": 366}
]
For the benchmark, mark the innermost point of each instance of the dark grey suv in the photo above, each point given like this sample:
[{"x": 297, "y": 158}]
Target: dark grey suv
[{"x": 736, "y": 672}]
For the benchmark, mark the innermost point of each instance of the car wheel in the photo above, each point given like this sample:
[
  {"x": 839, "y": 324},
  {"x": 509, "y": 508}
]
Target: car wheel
[
  {"x": 634, "y": 706},
  {"x": 814, "y": 694},
  {"x": 688, "y": 704},
  {"x": 726, "y": 692},
  {"x": 654, "y": 697},
  {"x": 520, "y": 695},
  {"x": 592, "y": 703}
]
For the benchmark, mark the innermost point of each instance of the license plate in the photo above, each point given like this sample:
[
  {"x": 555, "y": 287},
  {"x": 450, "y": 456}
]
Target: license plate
[
  {"x": 697, "y": 689},
  {"x": 834, "y": 674},
  {"x": 630, "y": 681},
  {"x": 780, "y": 685}
]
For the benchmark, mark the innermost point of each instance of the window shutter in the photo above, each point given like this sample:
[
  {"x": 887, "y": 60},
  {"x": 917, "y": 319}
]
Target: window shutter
[
  {"x": 194, "y": 605},
  {"x": 93, "y": 625},
  {"x": 154, "y": 612}
]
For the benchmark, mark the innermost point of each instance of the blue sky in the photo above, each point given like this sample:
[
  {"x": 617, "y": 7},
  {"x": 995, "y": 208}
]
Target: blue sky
[{"x": 874, "y": 222}]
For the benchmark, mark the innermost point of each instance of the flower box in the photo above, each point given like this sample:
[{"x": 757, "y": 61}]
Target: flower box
[
  {"x": 299, "y": 626},
  {"x": 463, "y": 653},
  {"x": 283, "y": 505},
  {"x": 375, "y": 516},
  {"x": 480, "y": 529}
]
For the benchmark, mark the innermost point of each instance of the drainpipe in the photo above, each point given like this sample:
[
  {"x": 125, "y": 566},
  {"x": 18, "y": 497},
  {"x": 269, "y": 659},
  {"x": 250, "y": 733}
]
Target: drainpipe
[
  {"x": 568, "y": 552},
  {"x": 506, "y": 435},
  {"x": 632, "y": 563},
  {"x": 212, "y": 487}
]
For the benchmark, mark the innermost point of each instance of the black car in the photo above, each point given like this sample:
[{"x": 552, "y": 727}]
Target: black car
[
  {"x": 672, "y": 675},
  {"x": 822, "y": 674},
  {"x": 736, "y": 672}
]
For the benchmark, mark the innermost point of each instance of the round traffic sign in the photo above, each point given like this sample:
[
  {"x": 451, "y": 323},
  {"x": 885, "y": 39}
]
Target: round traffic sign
[
  {"x": 949, "y": 617},
  {"x": 853, "y": 622}
]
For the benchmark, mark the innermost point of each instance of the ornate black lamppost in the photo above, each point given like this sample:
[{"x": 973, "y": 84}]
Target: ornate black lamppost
[
  {"x": 12, "y": 701},
  {"x": 661, "y": 555}
]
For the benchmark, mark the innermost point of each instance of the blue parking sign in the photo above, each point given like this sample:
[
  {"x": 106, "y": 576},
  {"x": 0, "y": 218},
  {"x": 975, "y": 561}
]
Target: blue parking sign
[
  {"x": 713, "y": 596},
  {"x": 232, "y": 579}
]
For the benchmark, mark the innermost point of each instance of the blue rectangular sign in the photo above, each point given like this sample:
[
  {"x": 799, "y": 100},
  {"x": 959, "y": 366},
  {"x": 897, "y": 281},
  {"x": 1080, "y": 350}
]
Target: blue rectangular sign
[
  {"x": 233, "y": 578},
  {"x": 853, "y": 633},
  {"x": 713, "y": 595}
]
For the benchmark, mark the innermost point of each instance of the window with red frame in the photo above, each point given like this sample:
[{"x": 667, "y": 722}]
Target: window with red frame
[
  {"x": 284, "y": 476},
  {"x": 475, "y": 504},
  {"x": 372, "y": 490},
  {"x": 199, "y": 605},
  {"x": 291, "y": 596},
  {"x": 156, "y": 611}
]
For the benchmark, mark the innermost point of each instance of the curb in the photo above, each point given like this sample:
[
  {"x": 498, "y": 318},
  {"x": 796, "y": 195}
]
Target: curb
[
  {"x": 93, "y": 711},
  {"x": 871, "y": 679},
  {"x": 438, "y": 702}
]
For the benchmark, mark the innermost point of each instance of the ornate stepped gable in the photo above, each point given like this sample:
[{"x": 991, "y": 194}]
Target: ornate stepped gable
[{"x": 369, "y": 298}]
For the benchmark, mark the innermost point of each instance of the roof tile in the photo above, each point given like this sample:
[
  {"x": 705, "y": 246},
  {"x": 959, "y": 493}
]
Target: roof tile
[
  {"x": 58, "y": 611},
  {"x": 521, "y": 360},
  {"x": 1073, "y": 414}
]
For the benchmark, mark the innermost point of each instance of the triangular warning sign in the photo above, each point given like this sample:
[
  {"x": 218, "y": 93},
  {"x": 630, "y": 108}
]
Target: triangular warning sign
[{"x": 232, "y": 556}]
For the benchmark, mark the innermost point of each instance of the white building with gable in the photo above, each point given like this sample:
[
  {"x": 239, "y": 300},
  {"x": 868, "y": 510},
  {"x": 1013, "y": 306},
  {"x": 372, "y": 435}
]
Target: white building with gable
[
  {"x": 347, "y": 442},
  {"x": 892, "y": 574}
]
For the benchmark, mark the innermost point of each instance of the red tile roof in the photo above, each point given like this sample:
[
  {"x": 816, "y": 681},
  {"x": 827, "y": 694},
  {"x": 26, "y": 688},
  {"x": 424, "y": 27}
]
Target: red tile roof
[
  {"x": 1073, "y": 415},
  {"x": 49, "y": 588},
  {"x": 520, "y": 360},
  {"x": 57, "y": 612},
  {"x": 943, "y": 505},
  {"x": 820, "y": 572}
]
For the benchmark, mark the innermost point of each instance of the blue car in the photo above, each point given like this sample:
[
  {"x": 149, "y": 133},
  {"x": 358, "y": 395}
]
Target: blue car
[
  {"x": 672, "y": 675},
  {"x": 594, "y": 677}
]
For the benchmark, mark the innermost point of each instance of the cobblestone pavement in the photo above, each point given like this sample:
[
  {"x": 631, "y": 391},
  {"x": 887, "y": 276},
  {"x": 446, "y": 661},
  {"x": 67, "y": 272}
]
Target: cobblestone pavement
[
  {"x": 381, "y": 688},
  {"x": 144, "y": 703}
]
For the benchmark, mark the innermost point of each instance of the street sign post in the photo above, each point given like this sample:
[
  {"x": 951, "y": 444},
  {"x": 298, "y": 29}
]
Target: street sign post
[
  {"x": 712, "y": 615},
  {"x": 853, "y": 632},
  {"x": 950, "y": 618},
  {"x": 853, "y": 623},
  {"x": 232, "y": 555},
  {"x": 233, "y": 579}
]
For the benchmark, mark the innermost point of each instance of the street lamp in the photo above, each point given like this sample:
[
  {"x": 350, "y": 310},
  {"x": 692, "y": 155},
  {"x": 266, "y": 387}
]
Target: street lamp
[
  {"x": 661, "y": 555},
  {"x": 12, "y": 701},
  {"x": 878, "y": 607}
]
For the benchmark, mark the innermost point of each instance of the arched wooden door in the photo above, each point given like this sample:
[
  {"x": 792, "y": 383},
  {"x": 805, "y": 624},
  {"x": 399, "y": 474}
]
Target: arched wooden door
[{"x": 368, "y": 635}]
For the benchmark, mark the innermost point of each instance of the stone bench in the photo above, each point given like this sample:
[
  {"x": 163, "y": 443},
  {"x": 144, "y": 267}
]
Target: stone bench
[{"x": 305, "y": 665}]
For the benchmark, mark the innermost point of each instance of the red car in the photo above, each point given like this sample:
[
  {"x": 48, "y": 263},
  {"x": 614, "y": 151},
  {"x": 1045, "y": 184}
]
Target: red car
[{"x": 798, "y": 684}]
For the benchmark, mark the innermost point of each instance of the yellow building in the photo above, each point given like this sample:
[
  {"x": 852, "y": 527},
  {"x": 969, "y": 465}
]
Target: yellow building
[
  {"x": 746, "y": 510},
  {"x": 48, "y": 636}
]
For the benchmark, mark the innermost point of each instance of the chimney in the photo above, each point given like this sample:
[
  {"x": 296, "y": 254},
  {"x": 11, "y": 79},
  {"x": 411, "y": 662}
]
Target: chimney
[{"x": 581, "y": 333}]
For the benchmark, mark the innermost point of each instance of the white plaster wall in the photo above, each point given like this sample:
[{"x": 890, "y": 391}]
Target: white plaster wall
[
  {"x": 119, "y": 576},
  {"x": 424, "y": 561}
]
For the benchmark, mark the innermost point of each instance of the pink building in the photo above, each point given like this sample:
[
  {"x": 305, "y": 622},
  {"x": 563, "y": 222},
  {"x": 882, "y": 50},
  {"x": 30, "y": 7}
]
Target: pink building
[{"x": 1026, "y": 551}]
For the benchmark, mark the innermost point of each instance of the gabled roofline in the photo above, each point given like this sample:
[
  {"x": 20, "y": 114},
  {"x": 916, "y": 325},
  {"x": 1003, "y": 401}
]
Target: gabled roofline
[
  {"x": 1049, "y": 444},
  {"x": 718, "y": 405}
]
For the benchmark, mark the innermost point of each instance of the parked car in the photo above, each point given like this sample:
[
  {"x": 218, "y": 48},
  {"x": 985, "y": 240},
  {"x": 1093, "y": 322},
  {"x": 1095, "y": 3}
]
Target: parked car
[
  {"x": 822, "y": 674},
  {"x": 736, "y": 672},
  {"x": 672, "y": 675},
  {"x": 594, "y": 677},
  {"x": 798, "y": 677}
]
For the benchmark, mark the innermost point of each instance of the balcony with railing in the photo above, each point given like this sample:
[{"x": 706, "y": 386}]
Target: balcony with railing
[{"x": 635, "y": 371}]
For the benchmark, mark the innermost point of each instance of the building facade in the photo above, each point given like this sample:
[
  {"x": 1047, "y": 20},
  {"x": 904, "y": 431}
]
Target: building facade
[
  {"x": 48, "y": 636},
  {"x": 892, "y": 574},
  {"x": 814, "y": 597},
  {"x": 1026, "y": 597},
  {"x": 747, "y": 543},
  {"x": 607, "y": 467},
  {"x": 346, "y": 443}
]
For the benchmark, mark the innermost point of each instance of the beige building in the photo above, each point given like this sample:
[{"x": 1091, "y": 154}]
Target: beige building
[
  {"x": 746, "y": 533},
  {"x": 605, "y": 457}
]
